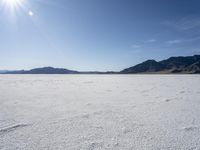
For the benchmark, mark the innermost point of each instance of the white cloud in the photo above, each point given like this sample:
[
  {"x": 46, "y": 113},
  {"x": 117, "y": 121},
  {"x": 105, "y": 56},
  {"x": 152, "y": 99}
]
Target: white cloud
[
  {"x": 186, "y": 23},
  {"x": 142, "y": 43},
  {"x": 174, "y": 42},
  {"x": 193, "y": 39},
  {"x": 136, "y": 46},
  {"x": 151, "y": 41},
  {"x": 135, "y": 51},
  {"x": 179, "y": 41}
]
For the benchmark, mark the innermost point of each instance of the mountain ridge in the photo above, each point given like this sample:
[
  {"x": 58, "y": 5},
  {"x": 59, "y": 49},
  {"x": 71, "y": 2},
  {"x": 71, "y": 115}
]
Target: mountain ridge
[
  {"x": 180, "y": 64},
  {"x": 172, "y": 65},
  {"x": 44, "y": 70}
]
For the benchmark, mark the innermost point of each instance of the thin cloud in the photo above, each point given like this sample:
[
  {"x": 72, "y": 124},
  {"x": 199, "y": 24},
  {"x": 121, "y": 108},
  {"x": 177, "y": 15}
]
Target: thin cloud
[
  {"x": 193, "y": 39},
  {"x": 135, "y": 51},
  {"x": 151, "y": 41},
  {"x": 183, "y": 24},
  {"x": 174, "y": 42},
  {"x": 136, "y": 46},
  {"x": 179, "y": 41},
  {"x": 143, "y": 43}
]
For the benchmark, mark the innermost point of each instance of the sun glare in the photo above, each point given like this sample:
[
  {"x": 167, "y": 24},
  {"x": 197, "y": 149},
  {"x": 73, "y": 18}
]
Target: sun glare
[{"x": 13, "y": 3}]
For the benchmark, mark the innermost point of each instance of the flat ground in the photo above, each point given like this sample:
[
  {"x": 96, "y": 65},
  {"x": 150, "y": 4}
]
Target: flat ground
[{"x": 88, "y": 112}]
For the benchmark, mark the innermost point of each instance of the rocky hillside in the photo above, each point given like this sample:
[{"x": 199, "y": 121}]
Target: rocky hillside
[{"x": 189, "y": 64}]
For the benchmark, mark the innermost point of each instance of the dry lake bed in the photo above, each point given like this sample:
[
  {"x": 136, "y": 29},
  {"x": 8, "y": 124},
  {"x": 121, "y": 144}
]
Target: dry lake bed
[{"x": 97, "y": 112}]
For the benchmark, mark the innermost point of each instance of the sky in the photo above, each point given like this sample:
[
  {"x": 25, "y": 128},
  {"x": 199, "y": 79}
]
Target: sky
[{"x": 96, "y": 35}]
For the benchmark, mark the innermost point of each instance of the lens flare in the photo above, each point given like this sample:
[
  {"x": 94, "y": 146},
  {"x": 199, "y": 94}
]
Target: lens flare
[{"x": 30, "y": 13}]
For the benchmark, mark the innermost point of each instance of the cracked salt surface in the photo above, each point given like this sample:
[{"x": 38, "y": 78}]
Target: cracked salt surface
[{"x": 95, "y": 112}]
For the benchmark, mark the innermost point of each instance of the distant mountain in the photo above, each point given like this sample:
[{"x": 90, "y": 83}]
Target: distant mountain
[
  {"x": 184, "y": 65},
  {"x": 44, "y": 70},
  {"x": 3, "y": 71},
  {"x": 147, "y": 66},
  {"x": 188, "y": 65}
]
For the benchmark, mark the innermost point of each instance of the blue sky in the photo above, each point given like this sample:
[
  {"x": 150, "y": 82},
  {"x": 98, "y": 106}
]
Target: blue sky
[{"x": 99, "y": 35}]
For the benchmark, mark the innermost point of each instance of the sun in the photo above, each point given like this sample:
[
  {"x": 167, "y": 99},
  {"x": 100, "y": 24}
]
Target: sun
[{"x": 13, "y": 4}]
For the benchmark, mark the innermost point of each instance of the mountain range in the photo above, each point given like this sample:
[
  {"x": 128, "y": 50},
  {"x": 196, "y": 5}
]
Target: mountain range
[
  {"x": 44, "y": 70},
  {"x": 178, "y": 65},
  {"x": 187, "y": 65}
]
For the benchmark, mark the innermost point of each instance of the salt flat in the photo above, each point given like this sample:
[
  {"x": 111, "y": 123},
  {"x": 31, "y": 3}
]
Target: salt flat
[{"x": 89, "y": 112}]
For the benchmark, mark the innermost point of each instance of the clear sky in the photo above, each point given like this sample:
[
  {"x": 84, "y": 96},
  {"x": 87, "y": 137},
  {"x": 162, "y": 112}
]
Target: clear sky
[{"x": 94, "y": 35}]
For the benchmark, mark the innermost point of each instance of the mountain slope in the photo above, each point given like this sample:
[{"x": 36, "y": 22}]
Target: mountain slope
[
  {"x": 189, "y": 64},
  {"x": 147, "y": 66}
]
